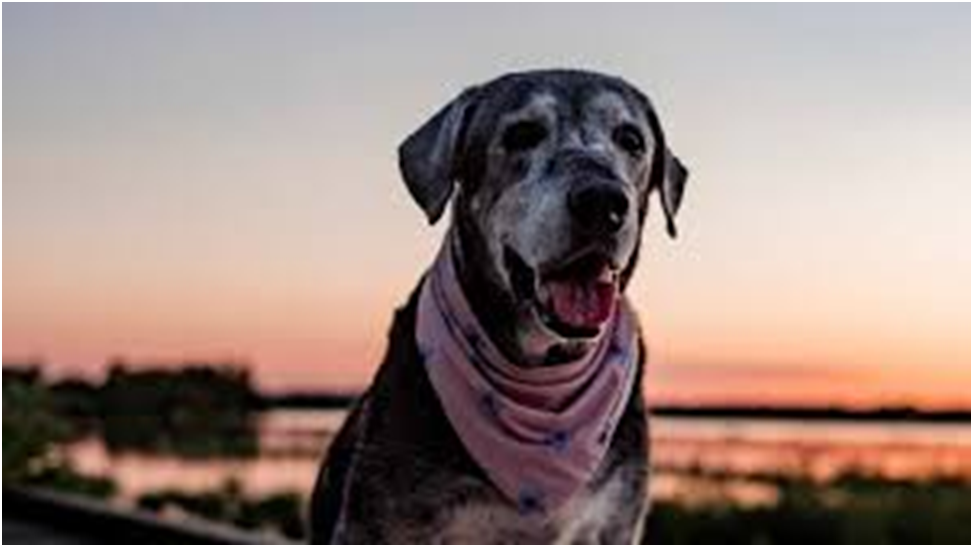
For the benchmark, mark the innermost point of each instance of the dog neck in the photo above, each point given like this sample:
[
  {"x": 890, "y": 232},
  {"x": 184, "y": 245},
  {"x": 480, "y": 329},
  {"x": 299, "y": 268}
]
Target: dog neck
[{"x": 539, "y": 433}]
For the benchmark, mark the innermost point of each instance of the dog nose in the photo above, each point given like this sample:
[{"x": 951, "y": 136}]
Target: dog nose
[{"x": 599, "y": 207}]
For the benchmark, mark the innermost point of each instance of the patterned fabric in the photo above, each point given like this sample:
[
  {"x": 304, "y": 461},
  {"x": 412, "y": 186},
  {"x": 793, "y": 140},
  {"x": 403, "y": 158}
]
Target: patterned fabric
[{"x": 539, "y": 433}]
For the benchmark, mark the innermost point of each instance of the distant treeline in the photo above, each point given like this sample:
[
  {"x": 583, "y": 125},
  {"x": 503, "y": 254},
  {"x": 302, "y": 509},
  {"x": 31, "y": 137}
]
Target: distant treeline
[
  {"x": 815, "y": 414},
  {"x": 310, "y": 401},
  {"x": 200, "y": 390},
  {"x": 167, "y": 388},
  {"x": 195, "y": 410}
]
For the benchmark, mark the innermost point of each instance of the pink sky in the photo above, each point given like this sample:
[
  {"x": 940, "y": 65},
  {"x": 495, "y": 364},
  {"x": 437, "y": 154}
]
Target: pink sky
[{"x": 220, "y": 183}]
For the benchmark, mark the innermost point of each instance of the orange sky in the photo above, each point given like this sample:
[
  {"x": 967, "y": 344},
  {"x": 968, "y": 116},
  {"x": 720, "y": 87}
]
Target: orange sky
[{"x": 177, "y": 189}]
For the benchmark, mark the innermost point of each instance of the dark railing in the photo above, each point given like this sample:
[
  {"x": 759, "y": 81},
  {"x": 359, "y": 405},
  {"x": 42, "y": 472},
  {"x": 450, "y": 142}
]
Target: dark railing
[{"x": 86, "y": 521}]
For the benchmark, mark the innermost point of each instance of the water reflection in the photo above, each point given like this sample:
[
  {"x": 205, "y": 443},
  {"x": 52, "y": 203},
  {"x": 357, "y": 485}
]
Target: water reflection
[{"x": 745, "y": 455}]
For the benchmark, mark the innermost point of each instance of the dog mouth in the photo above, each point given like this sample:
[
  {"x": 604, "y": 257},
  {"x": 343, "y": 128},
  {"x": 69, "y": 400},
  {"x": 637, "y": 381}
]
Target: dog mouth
[{"x": 574, "y": 297}]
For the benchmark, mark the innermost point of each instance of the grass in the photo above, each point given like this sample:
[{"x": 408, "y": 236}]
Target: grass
[
  {"x": 848, "y": 510},
  {"x": 282, "y": 513}
]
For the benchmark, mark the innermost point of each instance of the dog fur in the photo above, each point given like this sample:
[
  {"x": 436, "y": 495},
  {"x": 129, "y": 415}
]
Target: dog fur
[{"x": 509, "y": 154}]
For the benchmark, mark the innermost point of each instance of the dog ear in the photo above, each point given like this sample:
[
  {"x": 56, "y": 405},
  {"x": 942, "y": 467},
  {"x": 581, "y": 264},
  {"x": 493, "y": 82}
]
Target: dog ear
[
  {"x": 669, "y": 174},
  {"x": 429, "y": 158},
  {"x": 672, "y": 189}
]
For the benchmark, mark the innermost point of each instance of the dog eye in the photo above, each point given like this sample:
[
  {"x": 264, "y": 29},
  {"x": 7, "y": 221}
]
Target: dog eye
[
  {"x": 630, "y": 139},
  {"x": 523, "y": 136}
]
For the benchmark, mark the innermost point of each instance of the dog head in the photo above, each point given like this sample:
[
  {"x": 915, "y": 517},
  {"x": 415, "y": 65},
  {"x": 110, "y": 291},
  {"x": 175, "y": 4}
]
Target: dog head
[{"x": 551, "y": 174}]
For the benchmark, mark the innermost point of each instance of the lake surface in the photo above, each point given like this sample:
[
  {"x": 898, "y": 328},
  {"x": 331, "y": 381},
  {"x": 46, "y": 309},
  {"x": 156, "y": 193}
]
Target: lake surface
[{"x": 743, "y": 454}]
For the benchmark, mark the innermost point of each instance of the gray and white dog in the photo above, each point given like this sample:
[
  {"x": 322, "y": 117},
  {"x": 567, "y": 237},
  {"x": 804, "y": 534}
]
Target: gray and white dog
[{"x": 546, "y": 169}]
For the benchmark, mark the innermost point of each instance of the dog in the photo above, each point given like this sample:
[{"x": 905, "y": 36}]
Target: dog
[{"x": 508, "y": 408}]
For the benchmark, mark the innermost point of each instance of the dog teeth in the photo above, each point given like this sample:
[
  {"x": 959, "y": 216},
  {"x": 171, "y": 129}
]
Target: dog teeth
[{"x": 607, "y": 275}]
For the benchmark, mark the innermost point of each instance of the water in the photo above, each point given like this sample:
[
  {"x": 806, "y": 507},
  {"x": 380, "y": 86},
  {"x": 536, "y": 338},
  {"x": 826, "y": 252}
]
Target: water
[{"x": 741, "y": 452}]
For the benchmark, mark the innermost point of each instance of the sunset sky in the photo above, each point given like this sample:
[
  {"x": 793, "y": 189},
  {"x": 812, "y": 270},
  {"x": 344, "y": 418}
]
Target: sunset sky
[{"x": 220, "y": 182}]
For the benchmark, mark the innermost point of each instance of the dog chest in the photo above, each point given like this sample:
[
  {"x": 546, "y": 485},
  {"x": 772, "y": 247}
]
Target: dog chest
[{"x": 598, "y": 516}]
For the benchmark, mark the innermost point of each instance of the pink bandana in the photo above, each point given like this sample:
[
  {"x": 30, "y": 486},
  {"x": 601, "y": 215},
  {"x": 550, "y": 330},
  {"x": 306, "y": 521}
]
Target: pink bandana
[{"x": 540, "y": 434}]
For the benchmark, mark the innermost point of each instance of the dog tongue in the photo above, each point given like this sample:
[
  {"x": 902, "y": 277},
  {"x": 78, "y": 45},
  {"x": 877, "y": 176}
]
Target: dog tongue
[{"x": 584, "y": 303}]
